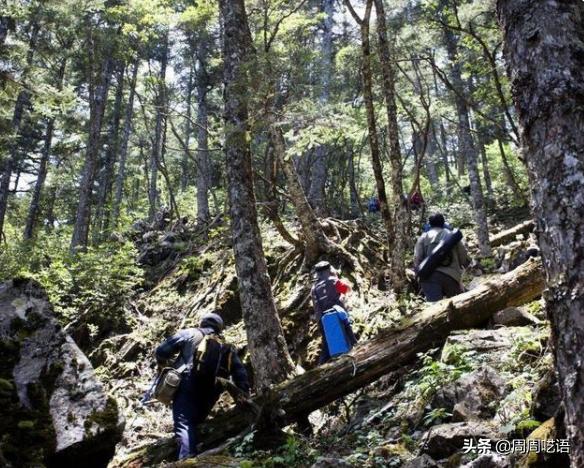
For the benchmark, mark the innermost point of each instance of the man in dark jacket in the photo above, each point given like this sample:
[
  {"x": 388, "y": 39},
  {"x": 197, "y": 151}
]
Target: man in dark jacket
[
  {"x": 328, "y": 291},
  {"x": 196, "y": 395},
  {"x": 446, "y": 280}
]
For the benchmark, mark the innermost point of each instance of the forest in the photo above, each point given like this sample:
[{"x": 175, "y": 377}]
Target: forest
[{"x": 197, "y": 166}]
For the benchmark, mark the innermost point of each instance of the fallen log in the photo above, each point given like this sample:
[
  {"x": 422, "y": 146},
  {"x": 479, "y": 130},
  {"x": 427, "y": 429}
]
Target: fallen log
[
  {"x": 505, "y": 237},
  {"x": 390, "y": 350}
]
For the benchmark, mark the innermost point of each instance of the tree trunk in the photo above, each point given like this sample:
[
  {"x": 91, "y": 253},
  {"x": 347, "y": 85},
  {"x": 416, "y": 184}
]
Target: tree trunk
[
  {"x": 509, "y": 175},
  {"x": 34, "y": 207},
  {"x": 466, "y": 148},
  {"x": 544, "y": 45},
  {"x": 185, "y": 163},
  {"x": 107, "y": 170},
  {"x": 269, "y": 354},
  {"x": 316, "y": 194},
  {"x": 313, "y": 236},
  {"x": 121, "y": 176},
  {"x": 11, "y": 161},
  {"x": 509, "y": 235},
  {"x": 155, "y": 156},
  {"x": 390, "y": 350},
  {"x": 490, "y": 199},
  {"x": 98, "y": 92},
  {"x": 203, "y": 164},
  {"x": 366, "y": 75},
  {"x": 397, "y": 249},
  {"x": 356, "y": 210}
]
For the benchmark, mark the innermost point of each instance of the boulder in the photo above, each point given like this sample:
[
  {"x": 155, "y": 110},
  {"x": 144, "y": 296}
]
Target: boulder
[
  {"x": 423, "y": 461},
  {"x": 514, "y": 317},
  {"x": 446, "y": 439},
  {"x": 323, "y": 462},
  {"x": 56, "y": 411},
  {"x": 490, "y": 342},
  {"x": 473, "y": 396},
  {"x": 489, "y": 460},
  {"x": 546, "y": 397}
]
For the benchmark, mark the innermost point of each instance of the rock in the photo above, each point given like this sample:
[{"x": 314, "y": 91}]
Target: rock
[
  {"x": 445, "y": 439},
  {"x": 473, "y": 396},
  {"x": 423, "y": 461},
  {"x": 489, "y": 460},
  {"x": 493, "y": 342},
  {"x": 512, "y": 255},
  {"x": 56, "y": 411},
  {"x": 514, "y": 317},
  {"x": 323, "y": 462},
  {"x": 546, "y": 397}
]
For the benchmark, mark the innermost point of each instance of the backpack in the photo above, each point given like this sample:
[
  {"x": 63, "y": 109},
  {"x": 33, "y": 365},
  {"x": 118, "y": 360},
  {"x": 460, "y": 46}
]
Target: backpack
[
  {"x": 324, "y": 294},
  {"x": 208, "y": 356},
  {"x": 441, "y": 254}
]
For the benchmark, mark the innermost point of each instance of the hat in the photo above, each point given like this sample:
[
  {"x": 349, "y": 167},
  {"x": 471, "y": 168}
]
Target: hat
[
  {"x": 213, "y": 321},
  {"x": 321, "y": 266}
]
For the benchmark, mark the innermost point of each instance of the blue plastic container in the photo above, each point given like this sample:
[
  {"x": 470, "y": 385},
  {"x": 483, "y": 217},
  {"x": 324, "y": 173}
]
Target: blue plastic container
[{"x": 333, "y": 324}]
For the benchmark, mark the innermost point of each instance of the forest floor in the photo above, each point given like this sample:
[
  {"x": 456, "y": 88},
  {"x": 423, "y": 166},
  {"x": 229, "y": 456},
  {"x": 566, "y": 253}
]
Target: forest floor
[{"x": 493, "y": 383}]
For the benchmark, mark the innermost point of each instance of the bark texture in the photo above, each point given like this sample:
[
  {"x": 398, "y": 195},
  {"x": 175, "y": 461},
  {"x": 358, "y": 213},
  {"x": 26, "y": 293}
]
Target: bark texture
[
  {"x": 544, "y": 46},
  {"x": 316, "y": 194},
  {"x": 10, "y": 162},
  {"x": 156, "y": 155},
  {"x": 366, "y": 74},
  {"x": 203, "y": 166},
  {"x": 467, "y": 152},
  {"x": 398, "y": 247},
  {"x": 268, "y": 350},
  {"x": 35, "y": 201},
  {"x": 97, "y": 103},
  {"x": 121, "y": 175},
  {"x": 390, "y": 350}
]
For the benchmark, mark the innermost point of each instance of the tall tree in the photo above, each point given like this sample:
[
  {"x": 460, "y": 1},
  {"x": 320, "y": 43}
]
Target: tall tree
[
  {"x": 374, "y": 145},
  {"x": 34, "y": 207},
  {"x": 121, "y": 174},
  {"x": 269, "y": 353},
  {"x": 544, "y": 45},
  {"x": 203, "y": 163},
  {"x": 467, "y": 152},
  {"x": 10, "y": 162},
  {"x": 99, "y": 76},
  {"x": 398, "y": 243},
  {"x": 316, "y": 194},
  {"x": 159, "y": 130}
]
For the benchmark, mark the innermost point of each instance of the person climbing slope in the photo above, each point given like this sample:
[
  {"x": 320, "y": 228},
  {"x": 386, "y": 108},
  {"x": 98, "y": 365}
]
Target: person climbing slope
[
  {"x": 327, "y": 293},
  {"x": 202, "y": 357},
  {"x": 446, "y": 279}
]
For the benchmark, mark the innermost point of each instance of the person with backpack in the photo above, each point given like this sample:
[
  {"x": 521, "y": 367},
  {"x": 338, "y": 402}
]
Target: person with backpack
[
  {"x": 327, "y": 293},
  {"x": 445, "y": 280},
  {"x": 202, "y": 357}
]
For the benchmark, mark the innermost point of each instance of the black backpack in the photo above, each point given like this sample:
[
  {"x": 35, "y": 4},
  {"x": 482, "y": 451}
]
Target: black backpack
[{"x": 209, "y": 357}]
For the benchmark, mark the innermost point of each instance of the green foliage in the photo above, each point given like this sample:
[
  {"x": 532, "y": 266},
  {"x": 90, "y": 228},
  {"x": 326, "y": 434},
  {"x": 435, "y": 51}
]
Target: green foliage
[
  {"x": 93, "y": 285},
  {"x": 436, "y": 416}
]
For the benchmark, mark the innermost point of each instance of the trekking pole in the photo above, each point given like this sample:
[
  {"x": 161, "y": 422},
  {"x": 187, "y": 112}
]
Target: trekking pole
[{"x": 147, "y": 397}]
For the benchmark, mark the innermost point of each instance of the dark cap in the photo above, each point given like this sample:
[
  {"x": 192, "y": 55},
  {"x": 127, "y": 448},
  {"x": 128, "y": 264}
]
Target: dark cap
[
  {"x": 321, "y": 266},
  {"x": 213, "y": 321},
  {"x": 437, "y": 220}
]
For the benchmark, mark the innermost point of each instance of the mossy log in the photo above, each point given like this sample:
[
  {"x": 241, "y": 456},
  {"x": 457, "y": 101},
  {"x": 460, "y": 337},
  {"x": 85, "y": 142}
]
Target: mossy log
[
  {"x": 504, "y": 237},
  {"x": 390, "y": 350}
]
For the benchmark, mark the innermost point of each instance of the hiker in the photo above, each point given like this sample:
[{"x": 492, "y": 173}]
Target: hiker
[
  {"x": 416, "y": 201},
  {"x": 373, "y": 205},
  {"x": 327, "y": 292},
  {"x": 198, "y": 390},
  {"x": 445, "y": 280}
]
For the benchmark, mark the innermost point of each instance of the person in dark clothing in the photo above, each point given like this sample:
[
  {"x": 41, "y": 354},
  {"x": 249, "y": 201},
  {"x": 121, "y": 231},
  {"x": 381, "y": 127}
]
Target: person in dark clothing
[
  {"x": 445, "y": 281},
  {"x": 328, "y": 291},
  {"x": 197, "y": 394}
]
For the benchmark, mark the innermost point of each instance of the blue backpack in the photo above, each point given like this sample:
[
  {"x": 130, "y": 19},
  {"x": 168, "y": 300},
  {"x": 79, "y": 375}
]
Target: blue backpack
[{"x": 334, "y": 324}]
